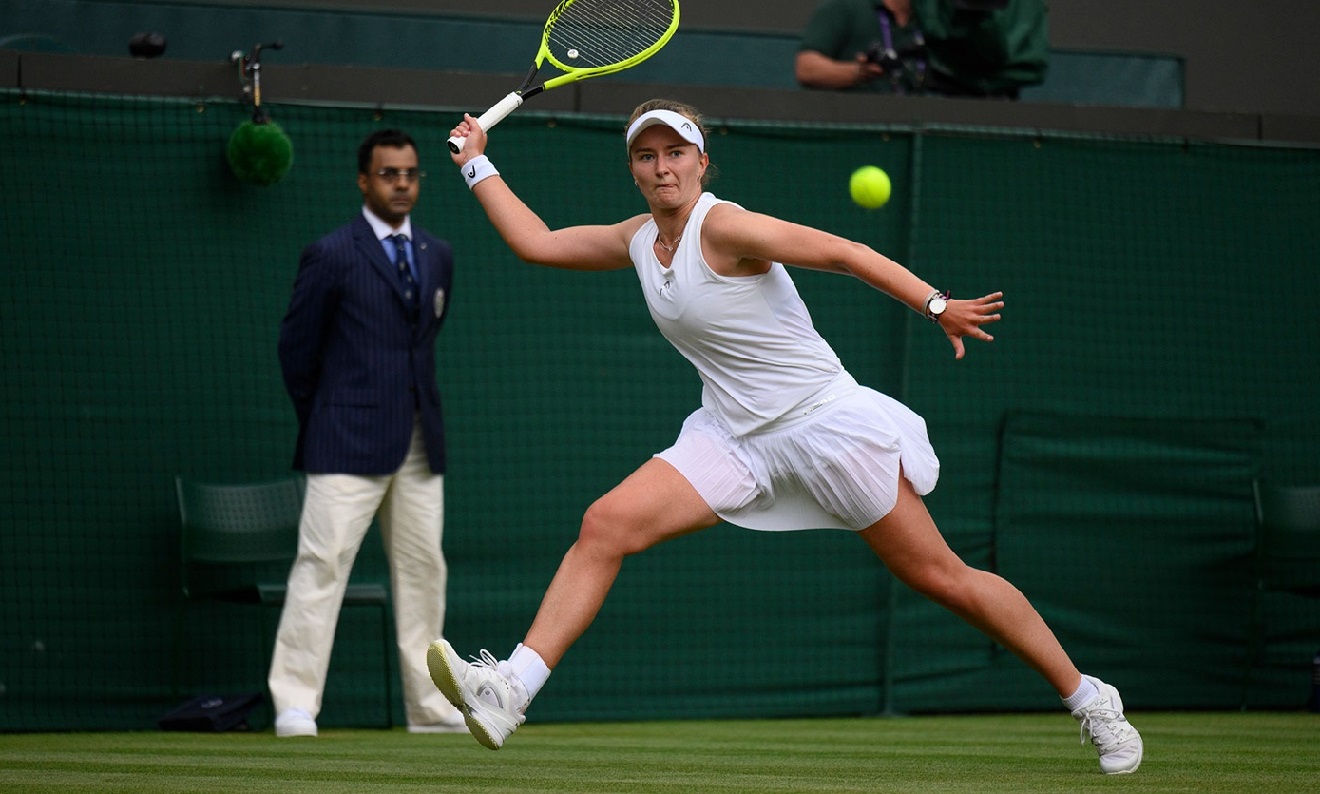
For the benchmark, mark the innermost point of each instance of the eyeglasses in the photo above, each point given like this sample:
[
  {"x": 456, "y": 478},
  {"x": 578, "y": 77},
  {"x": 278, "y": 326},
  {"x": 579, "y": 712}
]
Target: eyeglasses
[{"x": 393, "y": 174}]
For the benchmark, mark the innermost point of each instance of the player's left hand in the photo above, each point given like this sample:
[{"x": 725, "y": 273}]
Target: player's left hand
[{"x": 964, "y": 318}]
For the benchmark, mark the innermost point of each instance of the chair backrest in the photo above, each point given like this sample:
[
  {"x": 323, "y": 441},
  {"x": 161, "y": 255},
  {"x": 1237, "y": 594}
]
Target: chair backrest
[
  {"x": 235, "y": 536},
  {"x": 1289, "y": 521}
]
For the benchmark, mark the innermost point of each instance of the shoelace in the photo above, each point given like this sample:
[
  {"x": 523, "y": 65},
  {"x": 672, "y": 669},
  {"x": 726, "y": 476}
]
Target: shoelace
[
  {"x": 486, "y": 692},
  {"x": 487, "y": 659},
  {"x": 1107, "y": 727}
]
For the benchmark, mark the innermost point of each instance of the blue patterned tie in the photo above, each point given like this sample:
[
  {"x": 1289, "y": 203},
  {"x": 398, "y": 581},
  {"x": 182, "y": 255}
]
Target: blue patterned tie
[{"x": 405, "y": 272}]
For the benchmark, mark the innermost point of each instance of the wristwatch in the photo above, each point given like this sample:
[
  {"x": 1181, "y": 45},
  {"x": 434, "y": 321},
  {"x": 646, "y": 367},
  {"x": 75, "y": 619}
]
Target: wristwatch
[{"x": 936, "y": 304}]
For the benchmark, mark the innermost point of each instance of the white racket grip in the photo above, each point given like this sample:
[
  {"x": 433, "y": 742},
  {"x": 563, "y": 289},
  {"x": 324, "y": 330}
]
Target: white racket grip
[{"x": 490, "y": 118}]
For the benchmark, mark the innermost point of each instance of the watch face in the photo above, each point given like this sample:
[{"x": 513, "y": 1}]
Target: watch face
[{"x": 937, "y": 306}]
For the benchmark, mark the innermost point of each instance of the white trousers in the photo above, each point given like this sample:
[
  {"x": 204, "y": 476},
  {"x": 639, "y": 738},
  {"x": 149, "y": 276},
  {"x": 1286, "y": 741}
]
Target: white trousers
[{"x": 336, "y": 515}]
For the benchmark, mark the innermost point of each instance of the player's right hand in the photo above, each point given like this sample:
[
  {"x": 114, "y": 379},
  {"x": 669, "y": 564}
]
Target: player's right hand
[{"x": 476, "y": 140}]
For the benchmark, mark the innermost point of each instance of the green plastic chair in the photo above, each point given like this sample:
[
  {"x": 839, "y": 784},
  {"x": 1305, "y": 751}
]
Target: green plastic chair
[{"x": 238, "y": 542}]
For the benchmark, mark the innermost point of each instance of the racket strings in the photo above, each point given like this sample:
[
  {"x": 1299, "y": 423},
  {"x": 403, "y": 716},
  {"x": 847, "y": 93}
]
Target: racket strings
[{"x": 589, "y": 34}]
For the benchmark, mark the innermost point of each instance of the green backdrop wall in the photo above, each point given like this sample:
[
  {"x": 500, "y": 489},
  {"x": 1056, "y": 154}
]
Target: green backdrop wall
[{"x": 1156, "y": 355}]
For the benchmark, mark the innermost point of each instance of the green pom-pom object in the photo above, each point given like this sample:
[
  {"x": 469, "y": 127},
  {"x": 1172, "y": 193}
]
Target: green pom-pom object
[{"x": 259, "y": 152}]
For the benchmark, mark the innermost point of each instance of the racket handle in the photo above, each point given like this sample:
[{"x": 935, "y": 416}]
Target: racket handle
[{"x": 490, "y": 118}]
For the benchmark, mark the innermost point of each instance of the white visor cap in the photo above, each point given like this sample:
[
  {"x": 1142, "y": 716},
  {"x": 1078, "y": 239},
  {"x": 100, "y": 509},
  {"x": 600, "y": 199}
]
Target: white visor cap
[{"x": 686, "y": 128}]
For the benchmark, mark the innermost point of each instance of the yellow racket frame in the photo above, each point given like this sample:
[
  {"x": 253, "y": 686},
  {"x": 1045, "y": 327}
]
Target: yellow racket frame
[
  {"x": 572, "y": 74},
  {"x": 575, "y": 73}
]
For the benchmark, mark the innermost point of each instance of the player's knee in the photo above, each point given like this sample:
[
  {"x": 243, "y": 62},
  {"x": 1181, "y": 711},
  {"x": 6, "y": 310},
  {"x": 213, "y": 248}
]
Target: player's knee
[
  {"x": 602, "y": 528},
  {"x": 966, "y": 591},
  {"x": 605, "y": 528},
  {"x": 947, "y": 588}
]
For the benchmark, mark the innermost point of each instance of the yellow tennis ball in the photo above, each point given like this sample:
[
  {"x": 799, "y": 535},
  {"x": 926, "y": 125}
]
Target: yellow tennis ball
[{"x": 869, "y": 187}]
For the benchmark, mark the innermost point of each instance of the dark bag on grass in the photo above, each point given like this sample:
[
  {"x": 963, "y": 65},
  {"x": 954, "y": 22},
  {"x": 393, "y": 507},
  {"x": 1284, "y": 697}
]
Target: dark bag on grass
[{"x": 211, "y": 713}]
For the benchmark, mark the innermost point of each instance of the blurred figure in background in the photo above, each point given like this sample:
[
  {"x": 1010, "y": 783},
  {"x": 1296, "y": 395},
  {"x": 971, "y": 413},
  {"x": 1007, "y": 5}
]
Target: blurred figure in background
[{"x": 962, "y": 48}]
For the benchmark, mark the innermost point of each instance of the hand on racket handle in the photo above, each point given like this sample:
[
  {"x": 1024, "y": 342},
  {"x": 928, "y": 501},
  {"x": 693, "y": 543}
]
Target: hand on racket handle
[
  {"x": 489, "y": 119},
  {"x": 471, "y": 140}
]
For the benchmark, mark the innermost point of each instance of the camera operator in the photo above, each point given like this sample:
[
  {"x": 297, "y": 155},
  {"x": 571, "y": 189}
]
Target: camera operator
[
  {"x": 965, "y": 48},
  {"x": 869, "y": 45}
]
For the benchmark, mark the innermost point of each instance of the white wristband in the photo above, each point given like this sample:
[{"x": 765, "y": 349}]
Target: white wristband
[{"x": 477, "y": 169}]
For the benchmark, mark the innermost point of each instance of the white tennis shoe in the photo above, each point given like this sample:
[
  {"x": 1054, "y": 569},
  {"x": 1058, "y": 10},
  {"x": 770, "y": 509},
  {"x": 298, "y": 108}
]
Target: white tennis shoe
[
  {"x": 1114, "y": 738},
  {"x": 491, "y": 697},
  {"x": 294, "y": 722}
]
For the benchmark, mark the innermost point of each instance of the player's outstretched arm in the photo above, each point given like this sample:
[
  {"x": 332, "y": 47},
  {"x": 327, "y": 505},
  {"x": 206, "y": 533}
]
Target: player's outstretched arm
[
  {"x": 574, "y": 247},
  {"x": 734, "y": 234}
]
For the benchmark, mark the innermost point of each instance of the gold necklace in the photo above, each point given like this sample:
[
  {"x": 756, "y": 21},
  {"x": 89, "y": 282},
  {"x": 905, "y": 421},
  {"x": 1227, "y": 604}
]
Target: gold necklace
[{"x": 668, "y": 248}]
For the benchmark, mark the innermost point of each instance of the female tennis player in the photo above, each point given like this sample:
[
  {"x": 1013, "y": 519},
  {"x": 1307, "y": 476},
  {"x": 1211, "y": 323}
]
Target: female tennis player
[{"x": 785, "y": 438}]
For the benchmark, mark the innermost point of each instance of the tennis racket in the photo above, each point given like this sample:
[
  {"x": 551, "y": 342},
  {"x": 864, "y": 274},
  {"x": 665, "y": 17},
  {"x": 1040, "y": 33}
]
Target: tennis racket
[{"x": 589, "y": 38}]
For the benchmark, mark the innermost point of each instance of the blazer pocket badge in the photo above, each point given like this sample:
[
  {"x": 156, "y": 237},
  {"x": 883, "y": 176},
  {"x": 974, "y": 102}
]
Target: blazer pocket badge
[{"x": 439, "y": 303}]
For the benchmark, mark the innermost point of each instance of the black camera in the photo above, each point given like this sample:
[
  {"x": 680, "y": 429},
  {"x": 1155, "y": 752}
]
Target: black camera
[
  {"x": 884, "y": 57},
  {"x": 892, "y": 60}
]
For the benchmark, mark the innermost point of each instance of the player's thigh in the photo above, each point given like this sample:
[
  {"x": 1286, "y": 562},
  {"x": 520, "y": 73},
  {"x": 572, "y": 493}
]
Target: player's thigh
[
  {"x": 651, "y": 505},
  {"x": 910, "y": 545}
]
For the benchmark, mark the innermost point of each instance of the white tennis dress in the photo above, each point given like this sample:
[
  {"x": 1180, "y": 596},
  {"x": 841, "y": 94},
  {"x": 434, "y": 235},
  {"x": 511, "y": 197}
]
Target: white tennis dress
[{"x": 785, "y": 438}]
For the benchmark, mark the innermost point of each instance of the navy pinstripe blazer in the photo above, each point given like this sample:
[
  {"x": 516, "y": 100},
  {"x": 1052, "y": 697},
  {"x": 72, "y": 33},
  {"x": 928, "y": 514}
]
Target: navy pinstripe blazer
[{"x": 357, "y": 362}]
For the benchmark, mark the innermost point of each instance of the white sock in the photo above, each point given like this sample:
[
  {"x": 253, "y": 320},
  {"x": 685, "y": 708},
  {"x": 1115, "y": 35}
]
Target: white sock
[
  {"x": 1085, "y": 691},
  {"x": 530, "y": 668}
]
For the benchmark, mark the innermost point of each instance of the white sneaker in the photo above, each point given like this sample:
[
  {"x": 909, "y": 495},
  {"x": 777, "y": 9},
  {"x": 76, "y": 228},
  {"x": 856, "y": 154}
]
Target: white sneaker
[
  {"x": 491, "y": 697},
  {"x": 294, "y": 722},
  {"x": 1114, "y": 738}
]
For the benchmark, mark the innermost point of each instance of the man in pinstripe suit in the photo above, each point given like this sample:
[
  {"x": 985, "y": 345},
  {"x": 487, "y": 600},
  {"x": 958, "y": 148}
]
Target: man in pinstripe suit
[{"x": 357, "y": 349}]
